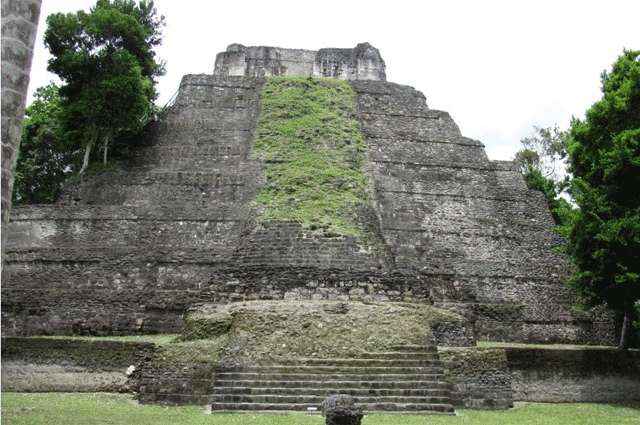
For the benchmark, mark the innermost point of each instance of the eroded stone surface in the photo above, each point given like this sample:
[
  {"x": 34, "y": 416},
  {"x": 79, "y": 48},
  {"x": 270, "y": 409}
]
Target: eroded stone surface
[
  {"x": 264, "y": 331},
  {"x": 131, "y": 251},
  {"x": 341, "y": 409},
  {"x": 360, "y": 63}
]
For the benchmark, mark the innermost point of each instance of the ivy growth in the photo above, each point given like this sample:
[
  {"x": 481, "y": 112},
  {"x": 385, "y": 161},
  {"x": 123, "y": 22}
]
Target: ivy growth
[{"x": 314, "y": 152}]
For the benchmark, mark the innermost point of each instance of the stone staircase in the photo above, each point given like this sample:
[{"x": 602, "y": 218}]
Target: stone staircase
[{"x": 407, "y": 379}]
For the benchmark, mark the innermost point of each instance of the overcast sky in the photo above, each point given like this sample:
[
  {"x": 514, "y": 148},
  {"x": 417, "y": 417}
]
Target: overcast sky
[{"x": 499, "y": 67}]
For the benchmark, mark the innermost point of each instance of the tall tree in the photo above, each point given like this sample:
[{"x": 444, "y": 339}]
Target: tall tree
[
  {"x": 44, "y": 159},
  {"x": 108, "y": 65},
  {"x": 604, "y": 157},
  {"x": 542, "y": 163}
]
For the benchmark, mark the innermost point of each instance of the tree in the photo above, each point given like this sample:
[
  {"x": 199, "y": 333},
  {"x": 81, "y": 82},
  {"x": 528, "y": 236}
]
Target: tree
[
  {"x": 604, "y": 158},
  {"x": 106, "y": 60},
  {"x": 545, "y": 151},
  {"x": 542, "y": 163},
  {"x": 43, "y": 159}
]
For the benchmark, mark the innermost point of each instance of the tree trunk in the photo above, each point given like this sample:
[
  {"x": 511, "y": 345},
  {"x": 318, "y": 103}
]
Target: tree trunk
[
  {"x": 626, "y": 327},
  {"x": 105, "y": 149},
  {"x": 87, "y": 153}
]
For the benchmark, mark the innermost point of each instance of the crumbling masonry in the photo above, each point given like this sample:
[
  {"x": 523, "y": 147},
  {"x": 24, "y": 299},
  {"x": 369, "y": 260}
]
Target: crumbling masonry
[{"x": 129, "y": 251}]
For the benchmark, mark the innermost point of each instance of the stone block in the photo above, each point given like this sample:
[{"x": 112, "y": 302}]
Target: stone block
[{"x": 341, "y": 409}]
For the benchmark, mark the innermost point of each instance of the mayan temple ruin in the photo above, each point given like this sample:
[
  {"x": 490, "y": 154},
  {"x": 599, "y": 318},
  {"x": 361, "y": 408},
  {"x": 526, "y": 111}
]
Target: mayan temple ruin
[{"x": 217, "y": 230}]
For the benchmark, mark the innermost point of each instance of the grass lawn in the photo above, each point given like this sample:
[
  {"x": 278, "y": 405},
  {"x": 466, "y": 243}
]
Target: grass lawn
[{"x": 115, "y": 409}]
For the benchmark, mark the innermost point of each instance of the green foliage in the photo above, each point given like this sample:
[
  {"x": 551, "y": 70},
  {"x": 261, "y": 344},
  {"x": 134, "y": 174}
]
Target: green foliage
[
  {"x": 545, "y": 151},
  {"x": 604, "y": 152},
  {"x": 44, "y": 159},
  {"x": 541, "y": 161},
  {"x": 106, "y": 60},
  {"x": 561, "y": 210},
  {"x": 119, "y": 409},
  {"x": 308, "y": 135}
]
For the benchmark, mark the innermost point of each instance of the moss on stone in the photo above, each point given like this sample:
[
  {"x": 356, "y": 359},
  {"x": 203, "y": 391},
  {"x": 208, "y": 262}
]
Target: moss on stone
[
  {"x": 472, "y": 360},
  {"x": 314, "y": 152},
  {"x": 191, "y": 352},
  {"x": 262, "y": 331},
  {"x": 180, "y": 372},
  {"x": 100, "y": 354},
  {"x": 204, "y": 326}
]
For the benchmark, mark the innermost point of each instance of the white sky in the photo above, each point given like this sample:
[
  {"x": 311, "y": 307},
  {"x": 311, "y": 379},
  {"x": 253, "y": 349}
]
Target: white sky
[{"x": 499, "y": 67}]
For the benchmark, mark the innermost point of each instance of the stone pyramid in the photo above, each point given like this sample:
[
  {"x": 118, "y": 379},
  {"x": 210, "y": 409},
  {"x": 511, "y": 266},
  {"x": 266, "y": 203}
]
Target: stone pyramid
[{"x": 129, "y": 251}]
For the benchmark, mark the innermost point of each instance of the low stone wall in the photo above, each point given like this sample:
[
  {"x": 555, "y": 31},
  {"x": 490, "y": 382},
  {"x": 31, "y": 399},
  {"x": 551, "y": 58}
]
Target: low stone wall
[
  {"x": 574, "y": 375},
  {"x": 183, "y": 372},
  {"x": 69, "y": 365},
  {"x": 480, "y": 377},
  {"x": 179, "y": 373},
  {"x": 492, "y": 378}
]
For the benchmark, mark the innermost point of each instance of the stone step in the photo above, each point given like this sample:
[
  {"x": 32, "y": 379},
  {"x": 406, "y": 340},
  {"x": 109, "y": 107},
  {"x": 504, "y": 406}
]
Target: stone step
[
  {"x": 408, "y": 379},
  {"x": 315, "y": 399},
  {"x": 284, "y": 376},
  {"x": 415, "y": 348},
  {"x": 408, "y": 355},
  {"x": 262, "y": 382},
  {"x": 372, "y": 370},
  {"x": 368, "y": 407},
  {"x": 396, "y": 392},
  {"x": 361, "y": 362}
]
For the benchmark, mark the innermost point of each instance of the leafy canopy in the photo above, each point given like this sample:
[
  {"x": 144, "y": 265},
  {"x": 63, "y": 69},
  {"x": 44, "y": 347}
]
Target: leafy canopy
[
  {"x": 604, "y": 157},
  {"x": 542, "y": 162},
  {"x": 108, "y": 65},
  {"x": 44, "y": 159}
]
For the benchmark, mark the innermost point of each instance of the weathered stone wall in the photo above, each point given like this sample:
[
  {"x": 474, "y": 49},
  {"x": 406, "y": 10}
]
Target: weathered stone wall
[
  {"x": 574, "y": 375},
  {"x": 480, "y": 377},
  {"x": 179, "y": 372},
  {"x": 131, "y": 251},
  {"x": 360, "y": 63},
  {"x": 496, "y": 377},
  {"x": 19, "y": 25},
  {"x": 449, "y": 212},
  {"x": 67, "y": 365}
]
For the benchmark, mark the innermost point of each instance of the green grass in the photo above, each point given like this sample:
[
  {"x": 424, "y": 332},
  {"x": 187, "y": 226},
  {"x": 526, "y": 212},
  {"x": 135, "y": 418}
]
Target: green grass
[
  {"x": 115, "y": 409},
  {"x": 314, "y": 152}
]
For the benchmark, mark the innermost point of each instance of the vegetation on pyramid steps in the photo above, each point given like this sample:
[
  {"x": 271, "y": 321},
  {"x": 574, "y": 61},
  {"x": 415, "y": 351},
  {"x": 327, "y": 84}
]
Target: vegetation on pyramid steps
[
  {"x": 314, "y": 152},
  {"x": 259, "y": 331},
  {"x": 106, "y": 60},
  {"x": 604, "y": 158}
]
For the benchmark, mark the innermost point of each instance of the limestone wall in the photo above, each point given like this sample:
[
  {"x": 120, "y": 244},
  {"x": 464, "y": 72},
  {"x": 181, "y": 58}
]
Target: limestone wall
[
  {"x": 496, "y": 377},
  {"x": 67, "y": 365},
  {"x": 449, "y": 212},
  {"x": 480, "y": 377},
  {"x": 360, "y": 63},
  {"x": 580, "y": 375},
  {"x": 130, "y": 251}
]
